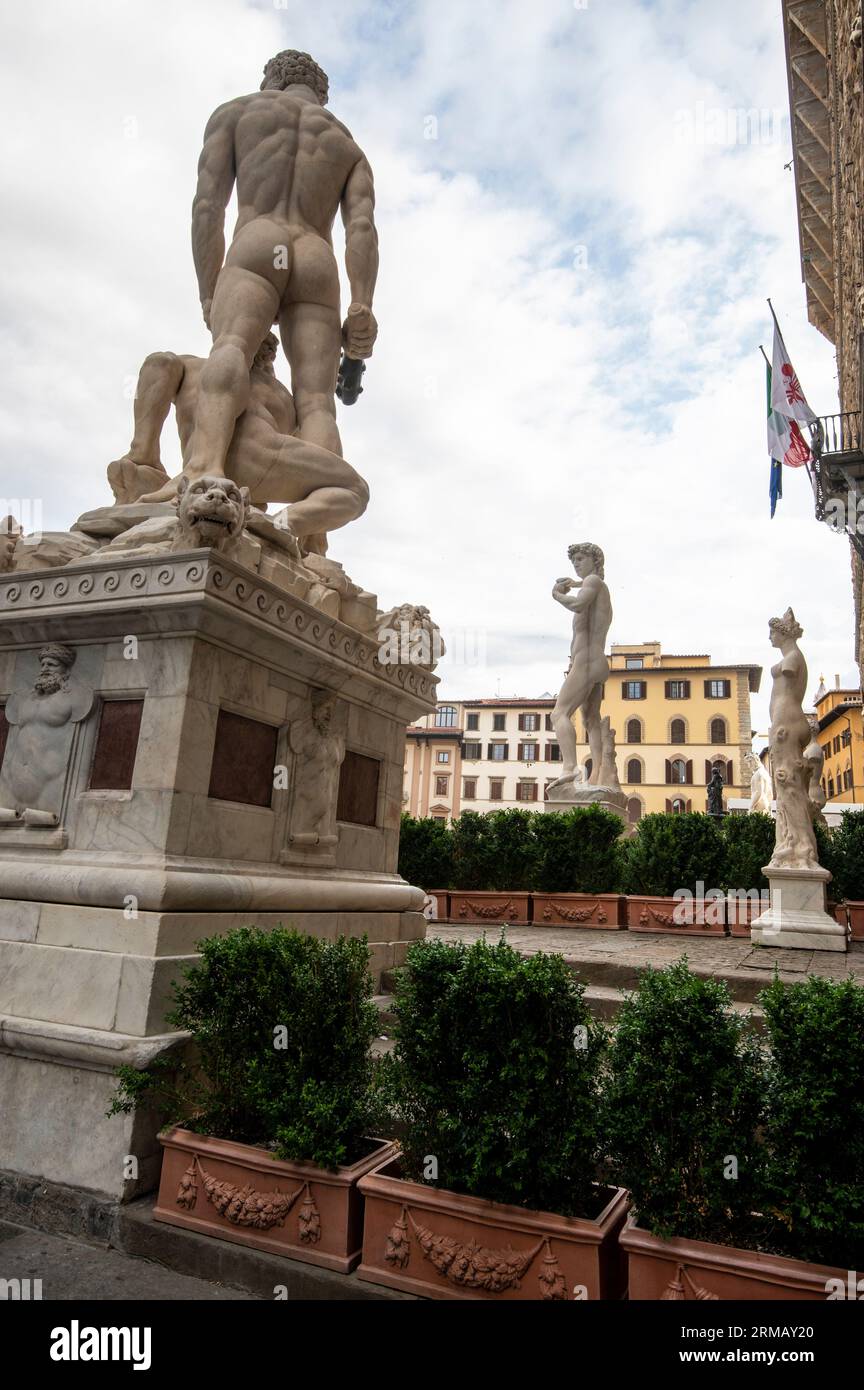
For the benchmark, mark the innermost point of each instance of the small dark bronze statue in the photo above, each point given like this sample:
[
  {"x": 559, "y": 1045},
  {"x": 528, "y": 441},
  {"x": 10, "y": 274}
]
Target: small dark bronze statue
[{"x": 715, "y": 794}]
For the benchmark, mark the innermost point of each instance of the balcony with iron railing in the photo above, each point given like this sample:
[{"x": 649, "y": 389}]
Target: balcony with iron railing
[{"x": 837, "y": 474}]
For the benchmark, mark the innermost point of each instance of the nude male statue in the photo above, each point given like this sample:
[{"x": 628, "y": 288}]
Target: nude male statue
[
  {"x": 264, "y": 455},
  {"x": 320, "y": 751},
  {"x": 34, "y": 769},
  {"x": 588, "y": 599},
  {"x": 295, "y": 166}
]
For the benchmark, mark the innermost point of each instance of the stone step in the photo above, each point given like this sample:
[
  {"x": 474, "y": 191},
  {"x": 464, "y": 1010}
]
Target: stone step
[{"x": 604, "y": 1002}]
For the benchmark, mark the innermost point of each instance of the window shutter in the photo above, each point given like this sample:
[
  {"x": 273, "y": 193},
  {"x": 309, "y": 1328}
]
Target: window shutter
[
  {"x": 689, "y": 772},
  {"x": 689, "y": 804},
  {"x": 730, "y": 773},
  {"x": 489, "y": 753},
  {"x": 667, "y": 685},
  {"x": 668, "y": 806},
  {"x": 668, "y": 776},
  {"x": 522, "y": 722},
  {"x": 686, "y": 690},
  {"x": 624, "y": 694},
  {"x": 534, "y": 792},
  {"x": 547, "y": 753},
  {"x": 707, "y": 770},
  {"x": 506, "y": 752}
]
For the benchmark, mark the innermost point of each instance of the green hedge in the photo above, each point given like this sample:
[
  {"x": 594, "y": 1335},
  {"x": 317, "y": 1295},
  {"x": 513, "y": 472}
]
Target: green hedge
[
  {"x": 582, "y": 851},
  {"x": 281, "y": 1027},
  {"x": 495, "y": 1092}
]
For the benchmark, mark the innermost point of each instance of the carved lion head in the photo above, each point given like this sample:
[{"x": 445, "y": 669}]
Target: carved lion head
[{"x": 211, "y": 511}]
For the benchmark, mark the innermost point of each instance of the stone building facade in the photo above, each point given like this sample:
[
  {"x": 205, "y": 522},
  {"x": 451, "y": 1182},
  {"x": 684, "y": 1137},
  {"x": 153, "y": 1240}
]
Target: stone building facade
[{"x": 825, "y": 66}]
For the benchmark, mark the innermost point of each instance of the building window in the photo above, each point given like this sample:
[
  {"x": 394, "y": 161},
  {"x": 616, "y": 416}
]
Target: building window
[
  {"x": 529, "y": 723},
  {"x": 633, "y": 663},
  {"x": 526, "y": 791},
  {"x": 442, "y": 820},
  {"x": 441, "y": 784},
  {"x": 529, "y": 752},
  {"x": 472, "y": 721},
  {"x": 677, "y": 690},
  {"x": 553, "y": 753},
  {"x": 678, "y": 806},
  {"x": 472, "y": 750},
  {"x": 469, "y": 789},
  {"x": 445, "y": 717},
  {"x": 830, "y": 787},
  {"x": 499, "y": 723},
  {"x": 836, "y": 743},
  {"x": 442, "y": 757},
  {"x": 634, "y": 810},
  {"x": 845, "y": 738},
  {"x": 847, "y": 780},
  {"x": 677, "y": 731},
  {"x": 634, "y": 770},
  {"x": 634, "y": 731},
  {"x": 496, "y": 789},
  {"x": 498, "y": 752},
  {"x": 717, "y": 731},
  {"x": 676, "y": 770},
  {"x": 634, "y": 690},
  {"x": 717, "y": 690}
]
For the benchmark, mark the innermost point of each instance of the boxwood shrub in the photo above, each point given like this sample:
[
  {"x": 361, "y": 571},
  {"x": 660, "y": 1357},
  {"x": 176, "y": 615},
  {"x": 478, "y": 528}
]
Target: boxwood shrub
[
  {"x": 426, "y": 852},
  {"x": 669, "y": 852},
  {"x": 491, "y": 1079},
  {"x": 748, "y": 846},
  {"x": 281, "y": 1026},
  {"x": 815, "y": 1119},
  {"x": 682, "y": 1108},
  {"x": 846, "y": 858},
  {"x": 578, "y": 851}
]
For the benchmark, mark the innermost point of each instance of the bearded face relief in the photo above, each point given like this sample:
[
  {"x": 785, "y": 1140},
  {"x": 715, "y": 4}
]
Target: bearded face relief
[{"x": 210, "y": 512}]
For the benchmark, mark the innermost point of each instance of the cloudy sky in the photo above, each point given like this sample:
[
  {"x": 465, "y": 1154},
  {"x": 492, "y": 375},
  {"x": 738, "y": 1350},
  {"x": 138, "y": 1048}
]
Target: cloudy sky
[{"x": 579, "y": 229}]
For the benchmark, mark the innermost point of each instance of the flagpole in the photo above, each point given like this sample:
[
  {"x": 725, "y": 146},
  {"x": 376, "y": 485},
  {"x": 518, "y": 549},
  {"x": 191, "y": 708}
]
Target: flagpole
[{"x": 765, "y": 355}]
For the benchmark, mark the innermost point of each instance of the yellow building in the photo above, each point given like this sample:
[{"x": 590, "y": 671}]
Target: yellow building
[
  {"x": 841, "y": 734},
  {"x": 676, "y": 718}
]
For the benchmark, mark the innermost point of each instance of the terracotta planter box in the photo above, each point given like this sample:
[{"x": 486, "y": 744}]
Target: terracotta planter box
[
  {"x": 442, "y": 899},
  {"x": 646, "y": 914},
  {"x": 486, "y": 908},
  {"x": 602, "y": 910},
  {"x": 856, "y": 920},
  {"x": 441, "y": 1245},
  {"x": 694, "y": 1270},
  {"x": 739, "y": 915},
  {"x": 242, "y": 1194}
]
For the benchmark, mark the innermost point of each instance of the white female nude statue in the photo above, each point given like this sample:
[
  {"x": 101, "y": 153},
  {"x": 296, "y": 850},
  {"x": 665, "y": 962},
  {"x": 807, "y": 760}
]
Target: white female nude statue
[{"x": 789, "y": 735}]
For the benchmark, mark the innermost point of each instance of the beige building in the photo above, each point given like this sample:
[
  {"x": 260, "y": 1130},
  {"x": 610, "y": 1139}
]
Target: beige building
[{"x": 676, "y": 718}]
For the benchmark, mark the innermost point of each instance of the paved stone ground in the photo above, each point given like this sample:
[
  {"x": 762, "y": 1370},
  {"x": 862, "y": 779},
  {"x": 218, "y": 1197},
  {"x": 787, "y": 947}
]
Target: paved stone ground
[
  {"x": 71, "y": 1272},
  {"x": 713, "y": 954}
]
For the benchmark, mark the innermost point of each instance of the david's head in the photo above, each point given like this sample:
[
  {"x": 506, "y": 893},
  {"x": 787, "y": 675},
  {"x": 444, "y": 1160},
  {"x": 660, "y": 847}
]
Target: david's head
[
  {"x": 586, "y": 559},
  {"x": 292, "y": 68}
]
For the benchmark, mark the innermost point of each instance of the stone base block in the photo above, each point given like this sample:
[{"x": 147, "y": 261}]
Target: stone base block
[{"x": 797, "y": 917}]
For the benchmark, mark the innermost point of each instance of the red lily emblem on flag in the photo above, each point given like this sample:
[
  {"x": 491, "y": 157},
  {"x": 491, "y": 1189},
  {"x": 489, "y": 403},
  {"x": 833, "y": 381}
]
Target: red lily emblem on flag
[
  {"x": 791, "y": 386},
  {"x": 798, "y": 452}
]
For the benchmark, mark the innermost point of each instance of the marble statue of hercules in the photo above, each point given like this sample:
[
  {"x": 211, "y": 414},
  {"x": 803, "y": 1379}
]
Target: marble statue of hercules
[
  {"x": 588, "y": 599},
  {"x": 264, "y": 455},
  {"x": 295, "y": 166}
]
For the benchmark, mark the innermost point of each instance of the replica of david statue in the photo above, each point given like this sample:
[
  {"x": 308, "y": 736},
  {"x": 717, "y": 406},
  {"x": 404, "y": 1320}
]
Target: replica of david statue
[{"x": 587, "y": 597}]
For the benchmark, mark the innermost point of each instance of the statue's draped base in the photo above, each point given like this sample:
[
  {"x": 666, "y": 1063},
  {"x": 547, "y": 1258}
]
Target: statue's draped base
[
  {"x": 797, "y": 917},
  {"x": 220, "y": 824}
]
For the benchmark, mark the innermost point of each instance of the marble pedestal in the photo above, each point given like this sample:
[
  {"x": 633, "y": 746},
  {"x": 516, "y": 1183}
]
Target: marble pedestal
[
  {"x": 566, "y": 794},
  {"x": 797, "y": 915},
  {"x": 100, "y": 913}
]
